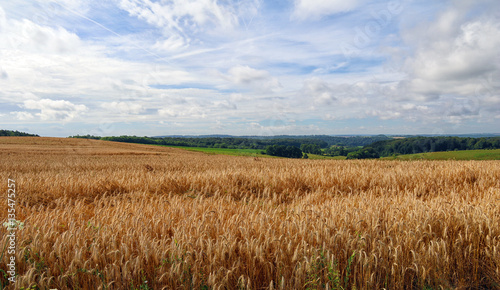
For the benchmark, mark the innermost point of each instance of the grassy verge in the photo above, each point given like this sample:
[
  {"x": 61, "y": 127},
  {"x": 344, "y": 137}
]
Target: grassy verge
[{"x": 449, "y": 155}]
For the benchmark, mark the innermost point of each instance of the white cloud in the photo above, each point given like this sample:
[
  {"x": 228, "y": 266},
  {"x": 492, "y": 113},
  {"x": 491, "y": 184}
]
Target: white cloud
[
  {"x": 54, "y": 110},
  {"x": 177, "y": 14},
  {"x": 453, "y": 65},
  {"x": 247, "y": 75},
  {"x": 123, "y": 107},
  {"x": 225, "y": 105},
  {"x": 51, "y": 61},
  {"x": 30, "y": 37},
  {"x": 316, "y": 9},
  {"x": 323, "y": 93},
  {"x": 172, "y": 43},
  {"x": 3, "y": 20},
  {"x": 260, "y": 80},
  {"x": 169, "y": 112},
  {"x": 191, "y": 111},
  {"x": 319, "y": 91},
  {"x": 23, "y": 116},
  {"x": 455, "y": 57},
  {"x": 236, "y": 62}
]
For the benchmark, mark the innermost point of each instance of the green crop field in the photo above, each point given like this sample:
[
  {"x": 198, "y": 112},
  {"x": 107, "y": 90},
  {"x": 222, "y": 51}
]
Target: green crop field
[
  {"x": 224, "y": 151},
  {"x": 314, "y": 157},
  {"x": 244, "y": 152},
  {"x": 450, "y": 155}
]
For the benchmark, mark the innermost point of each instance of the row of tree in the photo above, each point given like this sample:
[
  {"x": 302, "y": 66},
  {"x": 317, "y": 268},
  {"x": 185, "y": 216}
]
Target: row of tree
[
  {"x": 213, "y": 142},
  {"x": 339, "y": 150},
  {"x": 16, "y": 133},
  {"x": 432, "y": 144},
  {"x": 345, "y": 141},
  {"x": 254, "y": 142},
  {"x": 294, "y": 147},
  {"x": 284, "y": 151},
  {"x": 364, "y": 153},
  {"x": 311, "y": 149}
]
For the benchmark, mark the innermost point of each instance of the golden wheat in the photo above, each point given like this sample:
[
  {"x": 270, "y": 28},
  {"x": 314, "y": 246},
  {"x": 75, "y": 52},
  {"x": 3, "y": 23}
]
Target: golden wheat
[{"x": 122, "y": 216}]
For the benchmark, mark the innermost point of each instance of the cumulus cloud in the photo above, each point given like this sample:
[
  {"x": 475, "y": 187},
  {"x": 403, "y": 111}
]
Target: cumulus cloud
[
  {"x": 448, "y": 64},
  {"x": 323, "y": 93},
  {"x": 450, "y": 73},
  {"x": 23, "y": 116},
  {"x": 316, "y": 9},
  {"x": 52, "y": 61},
  {"x": 124, "y": 107},
  {"x": 183, "y": 111},
  {"x": 260, "y": 80},
  {"x": 454, "y": 53},
  {"x": 246, "y": 75},
  {"x": 224, "y": 105},
  {"x": 455, "y": 65},
  {"x": 54, "y": 110},
  {"x": 168, "y": 112},
  {"x": 31, "y": 37},
  {"x": 319, "y": 91}
]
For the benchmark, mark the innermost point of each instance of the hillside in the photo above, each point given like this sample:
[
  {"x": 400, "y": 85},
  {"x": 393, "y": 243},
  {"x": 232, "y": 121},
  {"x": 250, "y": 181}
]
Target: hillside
[
  {"x": 416, "y": 145},
  {"x": 244, "y": 142},
  {"x": 452, "y": 155}
]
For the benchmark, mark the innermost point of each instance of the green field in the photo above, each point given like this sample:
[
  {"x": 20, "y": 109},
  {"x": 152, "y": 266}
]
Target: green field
[
  {"x": 447, "y": 155},
  {"x": 450, "y": 155},
  {"x": 243, "y": 152},
  {"x": 314, "y": 157},
  {"x": 225, "y": 151}
]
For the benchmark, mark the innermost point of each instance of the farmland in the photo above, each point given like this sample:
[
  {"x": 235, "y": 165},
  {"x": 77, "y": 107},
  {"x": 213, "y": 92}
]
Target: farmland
[
  {"x": 224, "y": 151},
  {"x": 128, "y": 216},
  {"x": 452, "y": 155},
  {"x": 243, "y": 152}
]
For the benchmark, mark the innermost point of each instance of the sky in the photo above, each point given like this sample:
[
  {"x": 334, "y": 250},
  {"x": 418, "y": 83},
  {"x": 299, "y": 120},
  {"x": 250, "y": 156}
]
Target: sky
[{"x": 249, "y": 67}]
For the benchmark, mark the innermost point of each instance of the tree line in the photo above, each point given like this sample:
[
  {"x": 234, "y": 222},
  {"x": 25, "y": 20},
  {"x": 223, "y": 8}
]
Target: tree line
[
  {"x": 338, "y": 141},
  {"x": 416, "y": 145},
  {"x": 297, "y": 147},
  {"x": 261, "y": 142},
  {"x": 284, "y": 151},
  {"x": 213, "y": 142},
  {"x": 16, "y": 133}
]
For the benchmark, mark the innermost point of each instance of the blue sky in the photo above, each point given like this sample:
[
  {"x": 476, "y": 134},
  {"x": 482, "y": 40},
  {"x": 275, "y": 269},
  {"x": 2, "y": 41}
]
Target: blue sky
[{"x": 249, "y": 67}]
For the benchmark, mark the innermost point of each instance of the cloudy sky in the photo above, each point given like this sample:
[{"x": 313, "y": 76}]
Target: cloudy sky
[{"x": 249, "y": 67}]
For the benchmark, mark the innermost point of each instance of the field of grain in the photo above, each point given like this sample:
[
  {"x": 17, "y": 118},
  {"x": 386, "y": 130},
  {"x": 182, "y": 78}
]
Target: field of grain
[{"x": 104, "y": 215}]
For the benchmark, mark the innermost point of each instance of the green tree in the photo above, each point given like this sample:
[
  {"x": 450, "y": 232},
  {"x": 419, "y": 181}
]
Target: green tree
[{"x": 364, "y": 153}]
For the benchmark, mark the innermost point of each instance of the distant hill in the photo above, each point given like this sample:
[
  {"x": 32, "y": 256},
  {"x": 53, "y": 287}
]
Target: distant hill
[
  {"x": 417, "y": 145},
  {"x": 328, "y": 140},
  {"x": 195, "y": 136},
  {"x": 471, "y": 135},
  {"x": 16, "y": 133},
  {"x": 485, "y": 154}
]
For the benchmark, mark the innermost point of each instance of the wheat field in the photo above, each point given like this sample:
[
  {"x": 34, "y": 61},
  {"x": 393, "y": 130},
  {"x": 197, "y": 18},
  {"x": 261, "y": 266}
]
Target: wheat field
[{"x": 105, "y": 215}]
